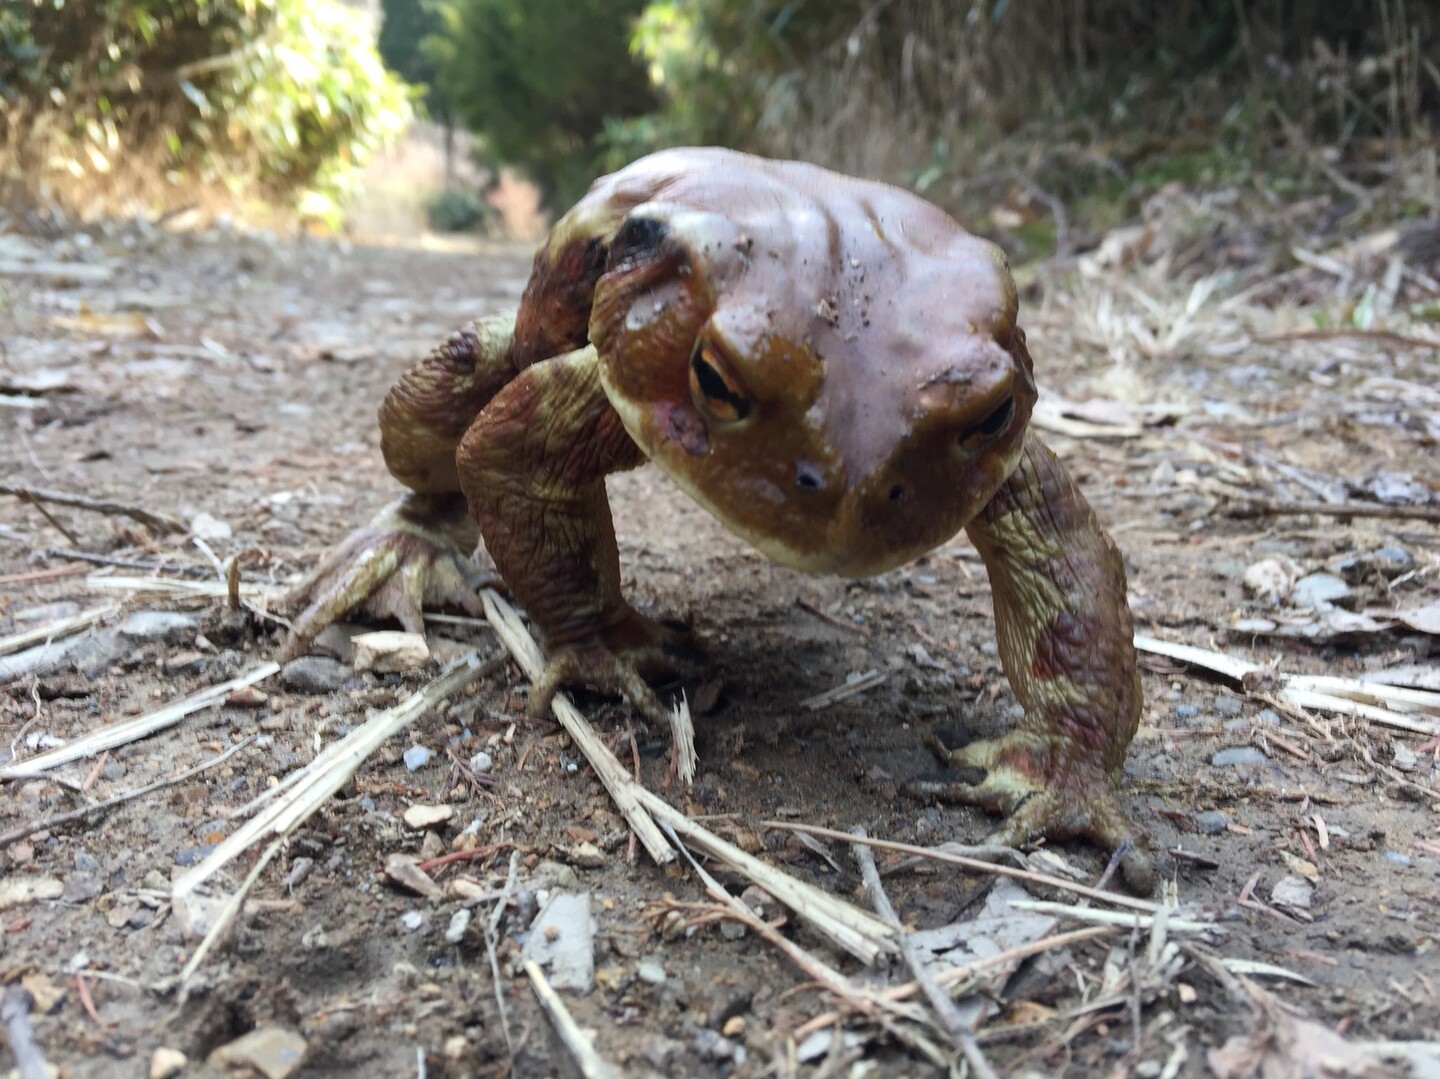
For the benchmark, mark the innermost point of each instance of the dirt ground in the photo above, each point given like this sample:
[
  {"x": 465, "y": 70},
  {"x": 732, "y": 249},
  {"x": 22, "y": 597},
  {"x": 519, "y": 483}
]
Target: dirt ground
[{"x": 236, "y": 377}]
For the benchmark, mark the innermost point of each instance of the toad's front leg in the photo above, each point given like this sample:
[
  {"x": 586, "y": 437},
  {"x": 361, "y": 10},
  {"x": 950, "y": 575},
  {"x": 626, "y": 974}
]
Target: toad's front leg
[
  {"x": 1065, "y": 640},
  {"x": 533, "y": 468}
]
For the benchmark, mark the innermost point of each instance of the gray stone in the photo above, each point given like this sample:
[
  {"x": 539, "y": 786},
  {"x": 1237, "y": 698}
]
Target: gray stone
[
  {"x": 562, "y": 938},
  {"x": 416, "y": 757},
  {"x": 1319, "y": 591},
  {"x": 1212, "y": 822},
  {"x": 193, "y": 855},
  {"x": 1227, "y": 705},
  {"x": 651, "y": 972},
  {"x": 85, "y": 863},
  {"x": 1393, "y": 560},
  {"x": 314, "y": 674},
  {"x": 1238, "y": 755},
  {"x": 95, "y": 653},
  {"x": 459, "y": 923},
  {"x": 81, "y": 888},
  {"x": 159, "y": 626},
  {"x": 713, "y": 1045}
]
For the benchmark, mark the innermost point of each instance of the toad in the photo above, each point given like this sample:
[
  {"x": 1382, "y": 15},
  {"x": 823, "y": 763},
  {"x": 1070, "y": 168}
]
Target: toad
[{"x": 832, "y": 367}]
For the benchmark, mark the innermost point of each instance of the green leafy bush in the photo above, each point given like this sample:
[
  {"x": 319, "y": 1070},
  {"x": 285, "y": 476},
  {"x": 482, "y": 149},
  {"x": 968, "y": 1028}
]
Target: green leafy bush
[
  {"x": 538, "y": 80},
  {"x": 457, "y": 209},
  {"x": 280, "y": 97}
]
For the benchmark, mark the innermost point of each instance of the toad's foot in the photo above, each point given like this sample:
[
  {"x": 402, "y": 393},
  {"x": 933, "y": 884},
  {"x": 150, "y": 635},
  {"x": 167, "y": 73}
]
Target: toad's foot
[
  {"x": 1043, "y": 792},
  {"x": 622, "y": 659},
  {"x": 407, "y": 558}
]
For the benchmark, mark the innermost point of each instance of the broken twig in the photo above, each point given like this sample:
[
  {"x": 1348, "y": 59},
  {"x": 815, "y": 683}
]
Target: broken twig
[{"x": 156, "y": 522}]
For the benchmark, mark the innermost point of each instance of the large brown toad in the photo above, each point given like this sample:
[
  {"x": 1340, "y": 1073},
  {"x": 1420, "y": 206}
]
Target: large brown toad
[{"x": 831, "y": 367}]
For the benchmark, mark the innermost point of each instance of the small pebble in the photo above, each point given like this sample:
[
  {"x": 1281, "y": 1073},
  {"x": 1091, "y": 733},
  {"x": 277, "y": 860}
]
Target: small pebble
[
  {"x": 1396, "y": 857},
  {"x": 274, "y": 1052},
  {"x": 401, "y": 869},
  {"x": 713, "y": 1045},
  {"x": 412, "y": 920},
  {"x": 167, "y": 1063},
  {"x": 81, "y": 888},
  {"x": 1319, "y": 591},
  {"x": 159, "y": 625},
  {"x": 481, "y": 762},
  {"x": 210, "y": 528},
  {"x": 417, "y": 757},
  {"x": 193, "y": 855},
  {"x": 1212, "y": 822},
  {"x": 85, "y": 863},
  {"x": 1186, "y": 711},
  {"x": 459, "y": 923},
  {"x": 423, "y": 816},
  {"x": 1227, "y": 706},
  {"x": 1269, "y": 717},
  {"x": 314, "y": 674},
  {"x": 1238, "y": 755},
  {"x": 1393, "y": 561},
  {"x": 651, "y": 972}
]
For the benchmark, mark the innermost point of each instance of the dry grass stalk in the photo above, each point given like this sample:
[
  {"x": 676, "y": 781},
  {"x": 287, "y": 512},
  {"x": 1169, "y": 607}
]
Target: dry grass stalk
[
  {"x": 132, "y": 730},
  {"x": 157, "y": 522},
  {"x": 51, "y": 631},
  {"x": 1115, "y": 898},
  {"x": 225, "y": 915},
  {"x": 310, "y": 787},
  {"x": 612, "y": 773},
  {"x": 590, "y": 1063},
  {"x": 170, "y": 586},
  {"x": 1307, "y": 692},
  {"x": 951, "y": 1021},
  {"x": 859, "y": 933},
  {"x": 868, "y": 680},
  {"x": 843, "y": 924},
  {"x": 966, "y": 971},
  {"x": 45, "y": 823},
  {"x": 856, "y": 998},
  {"x": 1114, "y": 917},
  {"x": 682, "y": 734}
]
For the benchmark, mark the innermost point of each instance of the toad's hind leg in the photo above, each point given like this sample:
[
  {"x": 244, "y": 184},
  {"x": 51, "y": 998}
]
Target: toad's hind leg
[
  {"x": 1065, "y": 639},
  {"x": 533, "y": 469},
  {"x": 415, "y": 552}
]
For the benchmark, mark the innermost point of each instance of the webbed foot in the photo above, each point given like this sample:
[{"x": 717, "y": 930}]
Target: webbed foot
[
  {"x": 1042, "y": 791},
  {"x": 623, "y": 659},
  {"x": 409, "y": 557}
]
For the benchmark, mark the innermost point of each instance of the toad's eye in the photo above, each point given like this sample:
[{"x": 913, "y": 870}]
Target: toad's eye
[
  {"x": 714, "y": 389},
  {"x": 992, "y": 425},
  {"x": 637, "y": 239}
]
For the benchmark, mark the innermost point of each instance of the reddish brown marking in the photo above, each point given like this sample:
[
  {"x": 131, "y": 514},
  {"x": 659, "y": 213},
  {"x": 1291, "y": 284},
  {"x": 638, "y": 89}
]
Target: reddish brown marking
[
  {"x": 554, "y": 315},
  {"x": 1065, "y": 648},
  {"x": 684, "y": 428},
  {"x": 1081, "y": 727}
]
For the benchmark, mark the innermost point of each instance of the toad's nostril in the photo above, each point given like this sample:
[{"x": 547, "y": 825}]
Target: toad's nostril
[
  {"x": 807, "y": 476},
  {"x": 897, "y": 493}
]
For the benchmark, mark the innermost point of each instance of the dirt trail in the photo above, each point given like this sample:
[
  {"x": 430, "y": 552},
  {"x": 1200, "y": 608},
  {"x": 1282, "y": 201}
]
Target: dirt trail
[{"x": 237, "y": 377}]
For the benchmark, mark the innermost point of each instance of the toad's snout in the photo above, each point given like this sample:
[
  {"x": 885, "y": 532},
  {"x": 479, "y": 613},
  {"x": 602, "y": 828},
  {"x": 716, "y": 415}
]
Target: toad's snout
[{"x": 959, "y": 432}]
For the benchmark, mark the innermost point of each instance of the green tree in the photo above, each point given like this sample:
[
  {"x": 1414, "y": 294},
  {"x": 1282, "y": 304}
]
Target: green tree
[
  {"x": 538, "y": 79},
  {"x": 404, "y": 29}
]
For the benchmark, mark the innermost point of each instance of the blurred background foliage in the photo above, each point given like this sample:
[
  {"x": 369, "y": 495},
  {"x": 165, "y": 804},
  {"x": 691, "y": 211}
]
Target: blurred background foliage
[
  {"x": 108, "y": 103},
  {"x": 1040, "y": 112}
]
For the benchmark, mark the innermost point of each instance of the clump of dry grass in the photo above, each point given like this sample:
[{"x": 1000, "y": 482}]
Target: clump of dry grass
[{"x": 1022, "y": 111}]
